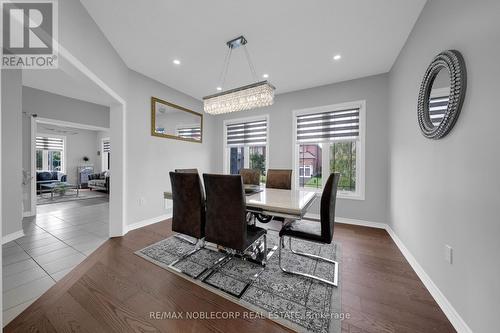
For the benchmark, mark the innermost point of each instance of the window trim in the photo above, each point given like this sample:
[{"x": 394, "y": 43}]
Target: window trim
[
  {"x": 63, "y": 152},
  {"x": 360, "y": 148},
  {"x": 225, "y": 148},
  {"x": 309, "y": 168}
]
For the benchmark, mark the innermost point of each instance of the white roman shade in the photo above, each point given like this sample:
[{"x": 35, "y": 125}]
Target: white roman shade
[
  {"x": 189, "y": 132},
  {"x": 46, "y": 143},
  {"x": 328, "y": 126},
  {"x": 247, "y": 133},
  {"x": 106, "y": 146},
  {"x": 437, "y": 109}
]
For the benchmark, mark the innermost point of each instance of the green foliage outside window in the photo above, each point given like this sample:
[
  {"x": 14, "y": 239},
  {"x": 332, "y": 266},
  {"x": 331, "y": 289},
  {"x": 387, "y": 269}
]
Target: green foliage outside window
[
  {"x": 343, "y": 160},
  {"x": 258, "y": 161}
]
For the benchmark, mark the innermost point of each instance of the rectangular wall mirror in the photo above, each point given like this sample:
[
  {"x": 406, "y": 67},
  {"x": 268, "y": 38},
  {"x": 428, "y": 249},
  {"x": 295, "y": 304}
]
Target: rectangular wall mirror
[{"x": 175, "y": 122}]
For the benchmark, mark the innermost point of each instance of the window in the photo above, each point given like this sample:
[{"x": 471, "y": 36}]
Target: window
[
  {"x": 330, "y": 139},
  {"x": 50, "y": 153},
  {"x": 438, "y": 104},
  {"x": 106, "y": 154},
  {"x": 305, "y": 171},
  {"x": 245, "y": 145},
  {"x": 189, "y": 132}
]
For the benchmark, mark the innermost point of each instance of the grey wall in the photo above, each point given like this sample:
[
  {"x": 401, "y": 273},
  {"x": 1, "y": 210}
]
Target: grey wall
[
  {"x": 57, "y": 107},
  {"x": 52, "y": 106},
  {"x": 77, "y": 145},
  {"x": 149, "y": 158},
  {"x": 447, "y": 191},
  {"x": 374, "y": 90},
  {"x": 12, "y": 159}
]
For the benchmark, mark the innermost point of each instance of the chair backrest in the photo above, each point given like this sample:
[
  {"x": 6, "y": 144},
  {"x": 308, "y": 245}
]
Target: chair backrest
[
  {"x": 280, "y": 179},
  {"x": 188, "y": 216},
  {"x": 187, "y": 170},
  {"x": 226, "y": 209},
  {"x": 327, "y": 209},
  {"x": 250, "y": 176}
]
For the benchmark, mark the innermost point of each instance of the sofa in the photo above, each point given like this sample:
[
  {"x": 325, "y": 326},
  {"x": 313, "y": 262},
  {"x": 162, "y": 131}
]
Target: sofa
[
  {"x": 99, "y": 181},
  {"x": 49, "y": 177}
]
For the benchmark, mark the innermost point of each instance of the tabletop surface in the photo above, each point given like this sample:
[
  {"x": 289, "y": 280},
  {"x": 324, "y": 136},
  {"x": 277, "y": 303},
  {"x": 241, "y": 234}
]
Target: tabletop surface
[
  {"x": 58, "y": 184},
  {"x": 293, "y": 202},
  {"x": 286, "y": 201}
]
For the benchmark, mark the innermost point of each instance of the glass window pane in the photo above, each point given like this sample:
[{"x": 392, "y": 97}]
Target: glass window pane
[
  {"x": 343, "y": 160},
  {"x": 236, "y": 159},
  {"x": 310, "y": 170},
  {"x": 54, "y": 160},
  {"x": 257, "y": 156}
]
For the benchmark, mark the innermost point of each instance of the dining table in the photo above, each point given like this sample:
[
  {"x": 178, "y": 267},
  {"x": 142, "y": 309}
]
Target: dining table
[{"x": 291, "y": 204}]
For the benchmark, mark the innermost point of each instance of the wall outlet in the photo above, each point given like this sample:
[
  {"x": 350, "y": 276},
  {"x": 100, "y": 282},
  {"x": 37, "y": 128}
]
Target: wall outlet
[
  {"x": 168, "y": 204},
  {"x": 448, "y": 254},
  {"x": 142, "y": 201}
]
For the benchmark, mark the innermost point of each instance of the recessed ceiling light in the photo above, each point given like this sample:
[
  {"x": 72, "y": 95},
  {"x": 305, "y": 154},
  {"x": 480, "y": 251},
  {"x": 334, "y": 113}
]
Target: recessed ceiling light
[
  {"x": 219, "y": 88},
  {"x": 265, "y": 76},
  {"x": 337, "y": 57},
  {"x": 176, "y": 62}
]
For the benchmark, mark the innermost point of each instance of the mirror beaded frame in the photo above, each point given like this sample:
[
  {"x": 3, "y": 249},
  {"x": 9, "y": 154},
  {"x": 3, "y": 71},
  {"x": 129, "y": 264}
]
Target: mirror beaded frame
[{"x": 454, "y": 62}]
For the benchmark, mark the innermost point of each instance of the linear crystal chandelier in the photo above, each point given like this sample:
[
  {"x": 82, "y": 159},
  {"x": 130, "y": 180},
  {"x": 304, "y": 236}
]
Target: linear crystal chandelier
[{"x": 247, "y": 97}]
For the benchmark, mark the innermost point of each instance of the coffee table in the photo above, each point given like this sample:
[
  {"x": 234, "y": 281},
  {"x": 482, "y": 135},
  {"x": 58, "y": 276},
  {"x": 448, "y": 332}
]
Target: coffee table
[{"x": 53, "y": 187}]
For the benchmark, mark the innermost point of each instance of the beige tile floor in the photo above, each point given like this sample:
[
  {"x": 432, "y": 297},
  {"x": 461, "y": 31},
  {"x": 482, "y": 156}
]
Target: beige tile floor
[{"x": 57, "y": 240}]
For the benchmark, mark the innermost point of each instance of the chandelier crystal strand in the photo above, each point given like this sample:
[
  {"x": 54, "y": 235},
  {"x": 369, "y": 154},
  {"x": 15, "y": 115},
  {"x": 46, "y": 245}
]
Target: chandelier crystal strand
[
  {"x": 248, "y": 97},
  {"x": 241, "y": 99}
]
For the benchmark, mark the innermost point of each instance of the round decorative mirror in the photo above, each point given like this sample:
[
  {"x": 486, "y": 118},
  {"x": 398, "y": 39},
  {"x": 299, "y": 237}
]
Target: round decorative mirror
[{"x": 441, "y": 94}]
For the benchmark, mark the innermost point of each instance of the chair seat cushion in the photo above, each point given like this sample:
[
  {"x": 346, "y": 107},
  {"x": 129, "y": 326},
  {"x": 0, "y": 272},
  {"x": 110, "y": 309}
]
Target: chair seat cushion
[
  {"x": 308, "y": 230},
  {"x": 254, "y": 233}
]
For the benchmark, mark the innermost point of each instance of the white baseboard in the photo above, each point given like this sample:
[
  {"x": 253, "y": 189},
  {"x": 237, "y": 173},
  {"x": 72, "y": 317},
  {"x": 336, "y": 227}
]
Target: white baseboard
[
  {"x": 144, "y": 223},
  {"x": 28, "y": 214},
  {"x": 450, "y": 312},
  {"x": 458, "y": 323},
  {"x": 362, "y": 223},
  {"x": 12, "y": 236}
]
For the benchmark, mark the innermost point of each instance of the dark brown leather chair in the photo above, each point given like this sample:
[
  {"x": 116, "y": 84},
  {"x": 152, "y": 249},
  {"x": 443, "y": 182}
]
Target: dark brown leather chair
[
  {"x": 188, "y": 217},
  {"x": 279, "y": 179},
  {"x": 226, "y": 224},
  {"x": 313, "y": 231},
  {"x": 250, "y": 176},
  {"x": 187, "y": 170}
]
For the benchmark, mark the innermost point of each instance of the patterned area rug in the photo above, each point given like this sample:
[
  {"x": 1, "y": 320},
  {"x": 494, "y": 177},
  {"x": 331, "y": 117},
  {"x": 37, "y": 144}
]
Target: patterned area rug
[{"x": 293, "y": 301}]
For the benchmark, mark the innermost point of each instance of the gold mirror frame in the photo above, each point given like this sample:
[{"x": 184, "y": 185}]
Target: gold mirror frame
[{"x": 155, "y": 100}]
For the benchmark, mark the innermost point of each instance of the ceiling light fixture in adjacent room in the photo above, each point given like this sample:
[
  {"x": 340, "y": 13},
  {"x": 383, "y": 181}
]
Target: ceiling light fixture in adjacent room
[
  {"x": 265, "y": 76},
  {"x": 247, "y": 97},
  {"x": 176, "y": 62},
  {"x": 337, "y": 57}
]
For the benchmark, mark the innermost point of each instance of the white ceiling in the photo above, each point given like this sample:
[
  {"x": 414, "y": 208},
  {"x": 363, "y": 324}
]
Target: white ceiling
[
  {"x": 66, "y": 81},
  {"x": 291, "y": 40}
]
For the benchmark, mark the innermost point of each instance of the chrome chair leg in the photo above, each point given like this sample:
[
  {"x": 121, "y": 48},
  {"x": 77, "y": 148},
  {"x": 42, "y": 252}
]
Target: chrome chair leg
[
  {"x": 200, "y": 244},
  {"x": 264, "y": 260},
  {"x": 185, "y": 239},
  {"x": 336, "y": 264}
]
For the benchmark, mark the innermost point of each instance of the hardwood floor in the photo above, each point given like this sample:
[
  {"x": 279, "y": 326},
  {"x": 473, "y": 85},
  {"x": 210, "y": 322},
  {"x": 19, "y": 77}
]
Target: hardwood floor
[{"x": 114, "y": 290}]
